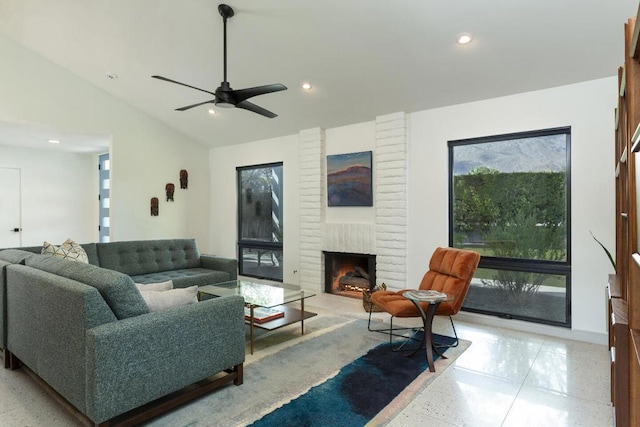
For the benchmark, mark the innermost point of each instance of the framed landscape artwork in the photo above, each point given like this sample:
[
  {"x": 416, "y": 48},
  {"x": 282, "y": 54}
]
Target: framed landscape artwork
[{"x": 349, "y": 179}]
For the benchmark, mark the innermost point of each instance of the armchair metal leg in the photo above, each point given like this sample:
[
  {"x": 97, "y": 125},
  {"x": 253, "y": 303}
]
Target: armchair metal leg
[{"x": 391, "y": 331}]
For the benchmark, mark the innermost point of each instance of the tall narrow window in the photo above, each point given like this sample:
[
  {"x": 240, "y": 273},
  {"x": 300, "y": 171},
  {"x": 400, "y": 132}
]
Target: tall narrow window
[
  {"x": 510, "y": 200},
  {"x": 260, "y": 207},
  {"x": 104, "y": 169}
]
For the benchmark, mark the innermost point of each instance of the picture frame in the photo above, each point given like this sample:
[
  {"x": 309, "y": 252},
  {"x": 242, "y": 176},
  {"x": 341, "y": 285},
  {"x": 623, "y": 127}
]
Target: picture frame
[{"x": 349, "y": 179}]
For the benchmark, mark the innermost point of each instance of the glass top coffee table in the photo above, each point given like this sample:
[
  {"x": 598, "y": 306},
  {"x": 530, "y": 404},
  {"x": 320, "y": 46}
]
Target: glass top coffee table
[{"x": 265, "y": 303}]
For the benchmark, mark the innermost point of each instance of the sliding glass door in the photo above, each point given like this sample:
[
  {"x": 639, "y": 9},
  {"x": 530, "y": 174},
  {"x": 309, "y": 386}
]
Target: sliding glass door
[{"x": 260, "y": 207}]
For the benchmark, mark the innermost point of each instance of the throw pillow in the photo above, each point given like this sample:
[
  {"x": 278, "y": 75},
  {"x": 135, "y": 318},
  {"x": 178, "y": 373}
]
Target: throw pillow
[
  {"x": 160, "y": 286},
  {"x": 163, "y": 300},
  {"x": 68, "y": 250}
]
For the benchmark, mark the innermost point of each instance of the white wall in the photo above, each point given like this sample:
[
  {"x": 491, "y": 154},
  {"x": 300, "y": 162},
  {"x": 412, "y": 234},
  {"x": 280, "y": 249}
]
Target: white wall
[
  {"x": 224, "y": 202},
  {"x": 58, "y": 192},
  {"x": 586, "y": 107},
  {"x": 145, "y": 154},
  {"x": 351, "y": 139},
  {"x": 225, "y": 160}
]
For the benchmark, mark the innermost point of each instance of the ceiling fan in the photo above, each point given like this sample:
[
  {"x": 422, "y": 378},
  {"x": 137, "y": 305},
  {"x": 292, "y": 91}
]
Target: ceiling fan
[{"x": 225, "y": 97}]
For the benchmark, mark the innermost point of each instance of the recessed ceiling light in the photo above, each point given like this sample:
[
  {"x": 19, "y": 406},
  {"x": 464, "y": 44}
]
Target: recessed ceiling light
[
  {"x": 306, "y": 86},
  {"x": 464, "y": 38},
  {"x": 54, "y": 141},
  {"x": 212, "y": 111}
]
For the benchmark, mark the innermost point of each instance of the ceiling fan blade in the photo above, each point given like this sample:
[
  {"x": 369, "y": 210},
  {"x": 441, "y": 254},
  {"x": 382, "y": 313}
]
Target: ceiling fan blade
[
  {"x": 243, "y": 94},
  {"x": 181, "y": 84},
  {"x": 195, "y": 105},
  {"x": 246, "y": 105}
]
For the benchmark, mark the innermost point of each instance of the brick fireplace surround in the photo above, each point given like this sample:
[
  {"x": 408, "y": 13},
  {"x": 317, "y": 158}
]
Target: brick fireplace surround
[{"x": 386, "y": 238}]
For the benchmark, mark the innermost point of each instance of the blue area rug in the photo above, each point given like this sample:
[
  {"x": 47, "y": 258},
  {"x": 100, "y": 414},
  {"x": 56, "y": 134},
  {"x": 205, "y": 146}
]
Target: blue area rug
[{"x": 356, "y": 394}]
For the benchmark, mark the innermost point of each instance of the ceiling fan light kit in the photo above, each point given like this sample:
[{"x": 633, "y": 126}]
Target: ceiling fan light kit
[{"x": 225, "y": 96}]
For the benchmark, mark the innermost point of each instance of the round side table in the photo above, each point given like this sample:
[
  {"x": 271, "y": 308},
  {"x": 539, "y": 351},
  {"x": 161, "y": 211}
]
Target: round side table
[{"x": 433, "y": 300}]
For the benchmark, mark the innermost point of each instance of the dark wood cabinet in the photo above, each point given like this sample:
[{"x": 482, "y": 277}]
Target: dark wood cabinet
[{"x": 624, "y": 287}]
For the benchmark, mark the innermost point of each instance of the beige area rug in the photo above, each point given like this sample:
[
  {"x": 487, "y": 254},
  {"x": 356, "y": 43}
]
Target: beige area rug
[{"x": 286, "y": 365}]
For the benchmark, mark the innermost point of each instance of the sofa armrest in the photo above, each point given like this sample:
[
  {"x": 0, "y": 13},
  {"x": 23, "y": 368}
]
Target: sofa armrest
[
  {"x": 47, "y": 320},
  {"x": 137, "y": 360},
  {"x": 222, "y": 264}
]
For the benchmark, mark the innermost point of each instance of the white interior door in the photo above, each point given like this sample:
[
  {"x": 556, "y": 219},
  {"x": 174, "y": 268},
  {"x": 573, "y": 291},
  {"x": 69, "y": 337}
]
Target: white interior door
[{"x": 10, "y": 224}]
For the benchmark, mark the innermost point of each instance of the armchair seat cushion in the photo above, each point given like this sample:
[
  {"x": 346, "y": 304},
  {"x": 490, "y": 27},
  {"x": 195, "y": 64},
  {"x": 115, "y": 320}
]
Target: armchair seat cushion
[{"x": 397, "y": 305}]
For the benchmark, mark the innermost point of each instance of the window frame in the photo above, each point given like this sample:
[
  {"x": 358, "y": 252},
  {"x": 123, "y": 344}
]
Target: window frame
[
  {"x": 518, "y": 264},
  {"x": 104, "y": 173}
]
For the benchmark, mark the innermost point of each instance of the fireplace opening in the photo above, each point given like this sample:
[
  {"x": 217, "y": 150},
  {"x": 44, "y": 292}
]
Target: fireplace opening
[{"x": 348, "y": 274}]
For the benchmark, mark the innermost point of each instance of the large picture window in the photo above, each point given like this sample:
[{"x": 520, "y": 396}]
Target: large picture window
[
  {"x": 260, "y": 206},
  {"x": 509, "y": 200}
]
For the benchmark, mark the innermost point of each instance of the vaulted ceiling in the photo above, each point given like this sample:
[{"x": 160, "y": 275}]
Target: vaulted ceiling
[{"x": 363, "y": 58}]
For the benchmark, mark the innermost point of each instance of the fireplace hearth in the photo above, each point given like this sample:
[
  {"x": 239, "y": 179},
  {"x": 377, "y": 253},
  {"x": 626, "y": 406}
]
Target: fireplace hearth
[{"x": 348, "y": 274}]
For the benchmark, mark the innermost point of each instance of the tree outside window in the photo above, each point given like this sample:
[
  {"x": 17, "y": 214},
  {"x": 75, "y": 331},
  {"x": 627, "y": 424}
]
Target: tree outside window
[{"x": 510, "y": 201}]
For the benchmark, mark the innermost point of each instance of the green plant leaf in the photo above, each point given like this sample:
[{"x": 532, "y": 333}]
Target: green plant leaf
[{"x": 613, "y": 263}]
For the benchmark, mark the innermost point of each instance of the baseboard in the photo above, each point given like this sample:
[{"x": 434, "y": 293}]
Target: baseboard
[{"x": 534, "y": 328}]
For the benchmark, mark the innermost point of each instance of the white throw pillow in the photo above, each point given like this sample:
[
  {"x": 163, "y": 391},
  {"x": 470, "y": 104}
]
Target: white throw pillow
[
  {"x": 68, "y": 250},
  {"x": 160, "y": 286},
  {"x": 163, "y": 300}
]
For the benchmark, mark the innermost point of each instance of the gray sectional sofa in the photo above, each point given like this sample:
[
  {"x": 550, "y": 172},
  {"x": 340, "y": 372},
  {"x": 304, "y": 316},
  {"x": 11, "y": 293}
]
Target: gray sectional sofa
[
  {"x": 86, "y": 331},
  {"x": 152, "y": 261}
]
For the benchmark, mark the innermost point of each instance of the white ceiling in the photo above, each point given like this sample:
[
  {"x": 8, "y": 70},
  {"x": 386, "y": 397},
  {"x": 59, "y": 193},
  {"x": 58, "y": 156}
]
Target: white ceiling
[
  {"x": 364, "y": 58},
  {"x": 32, "y": 136}
]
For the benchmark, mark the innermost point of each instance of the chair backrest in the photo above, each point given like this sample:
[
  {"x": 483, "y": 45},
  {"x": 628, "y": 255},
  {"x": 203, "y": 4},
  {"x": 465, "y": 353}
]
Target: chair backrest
[{"x": 451, "y": 271}]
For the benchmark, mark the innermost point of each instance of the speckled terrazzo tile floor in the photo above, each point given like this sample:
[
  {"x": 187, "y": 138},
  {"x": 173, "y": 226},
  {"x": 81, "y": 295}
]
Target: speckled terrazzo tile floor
[{"x": 505, "y": 378}]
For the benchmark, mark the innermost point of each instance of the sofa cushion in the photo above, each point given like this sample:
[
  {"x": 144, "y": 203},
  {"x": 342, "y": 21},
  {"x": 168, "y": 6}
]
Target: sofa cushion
[
  {"x": 117, "y": 289},
  {"x": 68, "y": 250},
  {"x": 160, "y": 286},
  {"x": 15, "y": 256},
  {"x": 164, "y": 300},
  {"x": 185, "y": 277},
  {"x": 89, "y": 248},
  {"x": 149, "y": 256},
  {"x": 92, "y": 253}
]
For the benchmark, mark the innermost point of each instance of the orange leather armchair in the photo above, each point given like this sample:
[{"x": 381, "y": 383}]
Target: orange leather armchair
[{"x": 450, "y": 271}]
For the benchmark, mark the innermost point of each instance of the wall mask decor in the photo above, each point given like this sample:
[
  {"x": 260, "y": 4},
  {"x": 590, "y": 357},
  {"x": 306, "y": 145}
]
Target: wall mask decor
[
  {"x": 184, "y": 179},
  {"x": 154, "y": 206},
  {"x": 169, "y": 189}
]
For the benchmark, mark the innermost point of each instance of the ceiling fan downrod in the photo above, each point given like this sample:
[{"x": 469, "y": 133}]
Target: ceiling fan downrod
[{"x": 226, "y": 12}]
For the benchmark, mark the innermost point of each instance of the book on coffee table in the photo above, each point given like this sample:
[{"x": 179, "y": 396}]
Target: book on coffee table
[{"x": 263, "y": 314}]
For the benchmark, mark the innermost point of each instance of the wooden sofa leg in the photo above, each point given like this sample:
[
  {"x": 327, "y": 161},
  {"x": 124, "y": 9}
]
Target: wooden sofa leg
[
  {"x": 5, "y": 355},
  {"x": 153, "y": 409},
  {"x": 239, "y": 370}
]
